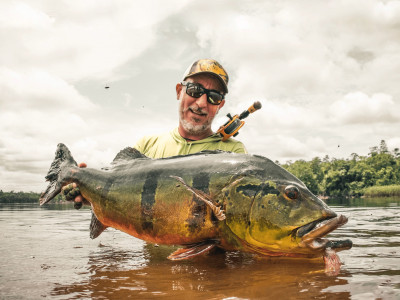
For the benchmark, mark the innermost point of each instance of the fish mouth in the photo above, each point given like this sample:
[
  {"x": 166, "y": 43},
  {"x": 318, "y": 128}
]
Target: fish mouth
[{"x": 312, "y": 234}]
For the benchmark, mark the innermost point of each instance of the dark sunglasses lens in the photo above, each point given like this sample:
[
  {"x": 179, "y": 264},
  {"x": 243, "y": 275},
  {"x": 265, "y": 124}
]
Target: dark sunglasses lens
[
  {"x": 215, "y": 98},
  {"x": 194, "y": 90}
]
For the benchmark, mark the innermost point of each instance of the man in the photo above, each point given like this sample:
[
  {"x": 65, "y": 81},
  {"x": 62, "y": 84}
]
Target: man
[{"x": 201, "y": 95}]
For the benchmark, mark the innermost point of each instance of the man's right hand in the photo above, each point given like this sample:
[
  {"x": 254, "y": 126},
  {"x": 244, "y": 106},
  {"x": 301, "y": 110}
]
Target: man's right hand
[{"x": 72, "y": 193}]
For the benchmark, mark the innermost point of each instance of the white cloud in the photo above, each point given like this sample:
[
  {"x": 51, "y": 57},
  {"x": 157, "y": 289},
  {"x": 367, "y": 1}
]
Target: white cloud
[
  {"x": 81, "y": 40},
  {"x": 387, "y": 13},
  {"x": 393, "y": 143},
  {"x": 286, "y": 48},
  {"x": 326, "y": 74},
  {"x": 284, "y": 146},
  {"x": 20, "y": 15},
  {"x": 275, "y": 114},
  {"x": 36, "y": 89},
  {"x": 358, "y": 107}
]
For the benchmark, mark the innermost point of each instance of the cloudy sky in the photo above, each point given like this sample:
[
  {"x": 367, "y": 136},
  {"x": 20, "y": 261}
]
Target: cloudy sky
[{"x": 326, "y": 72}]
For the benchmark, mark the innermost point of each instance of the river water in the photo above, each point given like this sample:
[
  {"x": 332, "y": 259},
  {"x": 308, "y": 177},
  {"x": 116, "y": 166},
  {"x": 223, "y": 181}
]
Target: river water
[{"x": 46, "y": 252}]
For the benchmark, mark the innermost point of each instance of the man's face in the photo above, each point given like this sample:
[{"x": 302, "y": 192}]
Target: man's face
[{"x": 196, "y": 114}]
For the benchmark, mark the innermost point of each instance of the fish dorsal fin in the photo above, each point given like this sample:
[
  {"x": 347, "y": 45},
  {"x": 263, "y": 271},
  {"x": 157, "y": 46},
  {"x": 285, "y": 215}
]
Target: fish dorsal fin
[
  {"x": 203, "y": 152},
  {"x": 193, "y": 250},
  {"x": 127, "y": 154},
  {"x": 96, "y": 227}
]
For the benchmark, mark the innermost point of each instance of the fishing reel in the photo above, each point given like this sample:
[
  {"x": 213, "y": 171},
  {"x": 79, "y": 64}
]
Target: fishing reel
[{"x": 231, "y": 128}]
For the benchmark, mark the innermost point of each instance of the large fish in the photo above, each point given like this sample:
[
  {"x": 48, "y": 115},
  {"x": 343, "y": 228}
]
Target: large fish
[{"x": 204, "y": 200}]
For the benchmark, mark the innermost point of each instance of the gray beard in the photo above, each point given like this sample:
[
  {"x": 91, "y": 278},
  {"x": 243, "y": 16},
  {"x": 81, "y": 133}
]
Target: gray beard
[{"x": 194, "y": 129}]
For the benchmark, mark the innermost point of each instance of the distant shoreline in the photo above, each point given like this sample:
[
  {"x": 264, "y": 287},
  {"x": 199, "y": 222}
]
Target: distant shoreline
[{"x": 31, "y": 197}]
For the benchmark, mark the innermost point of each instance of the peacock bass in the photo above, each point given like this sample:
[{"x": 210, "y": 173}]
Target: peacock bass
[{"x": 201, "y": 201}]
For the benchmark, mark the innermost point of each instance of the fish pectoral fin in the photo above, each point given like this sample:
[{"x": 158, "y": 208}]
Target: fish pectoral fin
[
  {"x": 96, "y": 227},
  {"x": 194, "y": 250},
  {"x": 218, "y": 212}
]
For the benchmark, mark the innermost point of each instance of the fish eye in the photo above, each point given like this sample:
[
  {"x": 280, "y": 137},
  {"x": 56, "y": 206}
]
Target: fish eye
[{"x": 292, "y": 192}]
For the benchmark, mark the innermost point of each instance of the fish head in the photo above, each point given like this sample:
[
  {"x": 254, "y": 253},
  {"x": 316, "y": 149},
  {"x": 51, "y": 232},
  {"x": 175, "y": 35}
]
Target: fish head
[{"x": 278, "y": 217}]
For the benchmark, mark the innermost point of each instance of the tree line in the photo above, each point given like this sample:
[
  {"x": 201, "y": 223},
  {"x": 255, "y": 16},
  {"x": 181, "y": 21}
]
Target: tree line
[
  {"x": 352, "y": 176},
  {"x": 22, "y": 197}
]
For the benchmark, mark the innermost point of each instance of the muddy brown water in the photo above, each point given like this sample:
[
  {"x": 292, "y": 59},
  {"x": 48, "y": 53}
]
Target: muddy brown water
[{"x": 46, "y": 252}]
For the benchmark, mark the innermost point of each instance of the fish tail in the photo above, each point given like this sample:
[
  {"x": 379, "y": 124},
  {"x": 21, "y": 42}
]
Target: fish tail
[{"x": 57, "y": 174}]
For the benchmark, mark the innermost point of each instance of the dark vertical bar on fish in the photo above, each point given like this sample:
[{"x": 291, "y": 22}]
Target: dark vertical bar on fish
[
  {"x": 148, "y": 200},
  {"x": 201, "y": 182}
]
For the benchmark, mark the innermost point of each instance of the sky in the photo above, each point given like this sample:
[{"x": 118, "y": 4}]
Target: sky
[{"x": 97, "y": 75}]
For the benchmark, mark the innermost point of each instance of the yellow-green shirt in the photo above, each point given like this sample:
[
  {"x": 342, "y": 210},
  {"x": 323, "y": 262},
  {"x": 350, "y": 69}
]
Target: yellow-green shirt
[{"x": 172, "y": 143}]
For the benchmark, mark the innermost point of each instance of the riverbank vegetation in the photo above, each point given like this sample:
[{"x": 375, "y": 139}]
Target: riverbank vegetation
[
  {"x": 376, "y": 174},
  {"x": 382, "y": 191},
  {"x": 23, "y": 197}
]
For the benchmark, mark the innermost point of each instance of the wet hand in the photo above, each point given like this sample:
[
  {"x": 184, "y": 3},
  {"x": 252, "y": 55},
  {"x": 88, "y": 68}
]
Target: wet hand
[{"x": 72, "y": 193}]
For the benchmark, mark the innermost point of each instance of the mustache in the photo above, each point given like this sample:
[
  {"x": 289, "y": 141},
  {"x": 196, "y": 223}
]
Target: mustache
[{"x": 197, "y": 110}]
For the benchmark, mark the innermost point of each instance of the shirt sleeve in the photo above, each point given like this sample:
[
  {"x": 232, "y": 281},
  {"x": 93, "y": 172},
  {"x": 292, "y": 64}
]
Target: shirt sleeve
[
  {"x": 239, "y": 148},
  {"x": 141, "y": 144}
]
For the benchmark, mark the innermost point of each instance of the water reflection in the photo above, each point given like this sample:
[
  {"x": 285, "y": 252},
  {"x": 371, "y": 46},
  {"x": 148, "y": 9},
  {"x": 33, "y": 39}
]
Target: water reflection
[
  {"x": 147, "y": 273},
  {"x": 35, "y": 206},
  {"x": 365, "y": 202},
  {"x": 47, "y": 251}
]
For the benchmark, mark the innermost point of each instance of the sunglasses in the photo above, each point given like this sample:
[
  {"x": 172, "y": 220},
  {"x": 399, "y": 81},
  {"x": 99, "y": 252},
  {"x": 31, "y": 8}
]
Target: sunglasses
[{"x": 196, "y": 90}]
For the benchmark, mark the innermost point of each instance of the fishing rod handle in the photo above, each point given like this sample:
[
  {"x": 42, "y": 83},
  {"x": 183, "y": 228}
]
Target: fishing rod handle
[{"x": 255, "y": 106}]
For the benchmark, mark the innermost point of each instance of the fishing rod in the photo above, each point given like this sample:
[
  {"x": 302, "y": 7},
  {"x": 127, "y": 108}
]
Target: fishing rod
[{"x": 231, "y": 128}]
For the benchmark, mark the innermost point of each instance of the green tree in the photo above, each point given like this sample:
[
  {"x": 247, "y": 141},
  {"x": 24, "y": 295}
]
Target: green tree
[
  {"x": 350, "y": 177},
  {"x": 383, "y": 147},
  {"x": 303, "y": 170},
  {"x": 396, "y": 153}
]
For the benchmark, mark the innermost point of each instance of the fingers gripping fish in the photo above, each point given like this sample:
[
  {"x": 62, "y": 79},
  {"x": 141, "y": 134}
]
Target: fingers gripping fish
[{"x": 201, "y": 201}]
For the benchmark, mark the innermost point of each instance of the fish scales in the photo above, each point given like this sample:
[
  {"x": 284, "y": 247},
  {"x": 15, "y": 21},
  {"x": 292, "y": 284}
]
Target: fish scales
[
  {"x": 142, "y": 208},
  {"x": 213, "y": 198}
]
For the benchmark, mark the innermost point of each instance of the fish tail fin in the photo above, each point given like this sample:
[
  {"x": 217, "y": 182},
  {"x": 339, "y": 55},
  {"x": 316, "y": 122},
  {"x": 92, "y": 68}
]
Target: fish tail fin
[{"x": 63, "y": 160}]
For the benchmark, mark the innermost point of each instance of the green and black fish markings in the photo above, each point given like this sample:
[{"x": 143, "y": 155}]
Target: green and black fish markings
[
  {"x": 200, "y": 201},
  {"x": 148, "y": 200}
]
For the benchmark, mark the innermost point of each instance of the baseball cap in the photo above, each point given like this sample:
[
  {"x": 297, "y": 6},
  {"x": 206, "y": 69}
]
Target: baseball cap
[{"x": 209, "y": 66}]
